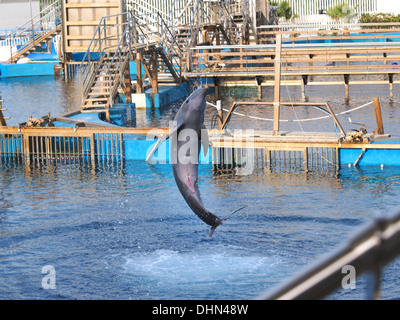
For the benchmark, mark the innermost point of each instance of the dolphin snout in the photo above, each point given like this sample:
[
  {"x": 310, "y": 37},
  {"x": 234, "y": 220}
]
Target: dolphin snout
[{"x": 200, "y": 93}]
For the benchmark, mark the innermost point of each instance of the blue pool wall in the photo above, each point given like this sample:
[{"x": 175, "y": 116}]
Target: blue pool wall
[{"x": 28, "y": 69}]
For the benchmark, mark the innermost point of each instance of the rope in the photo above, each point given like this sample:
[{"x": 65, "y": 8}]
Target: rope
[{"x": 295, "y": 120}]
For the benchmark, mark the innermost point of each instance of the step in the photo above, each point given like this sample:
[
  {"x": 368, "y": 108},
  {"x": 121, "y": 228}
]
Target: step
[
  {"x": 93, "y": 110},
  {"x": 105, "y": 75},
  {"x": 100, "y": 93},
  {"x": 101, "y": 87},
  {"x": 96, "y": 99},
  {"x": 91, "y": 106}
]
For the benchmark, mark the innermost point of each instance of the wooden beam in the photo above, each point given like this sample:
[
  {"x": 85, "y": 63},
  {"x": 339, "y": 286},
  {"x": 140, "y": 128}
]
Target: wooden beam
[
  {"x": 277, "y": 91},
  {"x": 94, "y": 5},
  {"x": 139, "y": 81},
  {"x": 379, "y": 129}
]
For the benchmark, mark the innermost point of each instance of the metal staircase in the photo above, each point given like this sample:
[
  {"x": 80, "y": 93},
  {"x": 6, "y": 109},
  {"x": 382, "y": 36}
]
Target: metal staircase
[
  {"x": 35, "y": 32},
  {"x": 104, "y": 64},
  {"x": 158, "y": 45},
  {"x": 119, "y": 39}
]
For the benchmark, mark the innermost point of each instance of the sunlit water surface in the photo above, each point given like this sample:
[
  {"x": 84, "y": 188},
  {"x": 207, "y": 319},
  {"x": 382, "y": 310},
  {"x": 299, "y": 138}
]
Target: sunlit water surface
[{"x": 126, "y": 233}]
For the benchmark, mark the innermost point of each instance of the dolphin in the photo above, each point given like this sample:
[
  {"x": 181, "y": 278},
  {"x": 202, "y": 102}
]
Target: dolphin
[{"x": 186, "y": 139}]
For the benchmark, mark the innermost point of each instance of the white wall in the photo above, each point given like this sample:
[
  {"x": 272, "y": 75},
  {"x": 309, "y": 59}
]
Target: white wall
[
  {"x": 389, "y": 6},
  {"x": 15, "y": 13}
]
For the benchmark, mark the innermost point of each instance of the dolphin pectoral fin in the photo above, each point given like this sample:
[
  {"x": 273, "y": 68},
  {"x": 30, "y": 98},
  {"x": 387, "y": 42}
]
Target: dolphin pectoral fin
[
  {"x": 160, "y": 141},
  {"x": 172, "y": 132},
  {"x": 205, "y": 140}
]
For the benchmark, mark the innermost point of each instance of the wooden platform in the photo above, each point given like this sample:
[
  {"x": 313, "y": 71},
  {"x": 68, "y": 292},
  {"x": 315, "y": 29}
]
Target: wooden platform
[{"x": 374, "y": 57}]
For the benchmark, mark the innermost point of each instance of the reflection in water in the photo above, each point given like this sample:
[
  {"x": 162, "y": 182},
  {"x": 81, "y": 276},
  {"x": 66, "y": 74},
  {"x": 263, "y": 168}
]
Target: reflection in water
[
  {"x": 333, "y": 95},
  {"x": 122, "y": 232},
  {"x": 37, "y": 96}
]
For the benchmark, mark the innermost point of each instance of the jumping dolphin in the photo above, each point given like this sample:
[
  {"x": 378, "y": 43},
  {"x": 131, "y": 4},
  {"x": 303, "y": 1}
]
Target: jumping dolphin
[{"x": 186, "y": 139}]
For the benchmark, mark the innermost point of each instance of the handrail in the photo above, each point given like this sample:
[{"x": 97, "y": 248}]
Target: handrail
[
  {"x": 97, "y": 48},
  {"x": 122, "y": 58},
  {"x": 131, "y": 31},
  {"x": 48, "y": 18},
  {"x": 372, "y": 248}
]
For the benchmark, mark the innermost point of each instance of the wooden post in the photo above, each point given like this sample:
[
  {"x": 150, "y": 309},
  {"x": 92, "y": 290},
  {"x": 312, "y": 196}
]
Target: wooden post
[
  {"x": 305, "y": 159},
  {"x": 2, "y": 119},
  {"x": 391, "y": 85},
  {"x": 93, "y": 150},
  {"x": 154, "y": 78},
  {"x": 277, "y": 92},
  {"x": 379, "y": 129},
  {"x": 26, "y": 149},
  {"x": 139, "y": 73},
  {"x": 220, "y": 115},
  {"x": 216, "y": 87},
  {"x": 346, "y": 84},
  {"x": 259, "y": 86},
  {"x": 127, "y": 82},
  {"x": 304, "y": 82}
]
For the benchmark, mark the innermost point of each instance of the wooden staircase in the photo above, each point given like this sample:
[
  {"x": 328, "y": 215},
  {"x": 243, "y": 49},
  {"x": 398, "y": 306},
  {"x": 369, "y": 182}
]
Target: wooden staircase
[
  {"x": 35, "y": 43},
  {"x": 105, "y": 81}
]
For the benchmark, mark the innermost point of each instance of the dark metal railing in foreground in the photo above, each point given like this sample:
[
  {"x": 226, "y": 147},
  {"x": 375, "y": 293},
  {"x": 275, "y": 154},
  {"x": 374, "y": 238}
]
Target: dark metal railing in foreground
[{"x": 369, "y": 251}]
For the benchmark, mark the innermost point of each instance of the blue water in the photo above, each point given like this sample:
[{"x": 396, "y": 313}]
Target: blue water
[{"x": 126, "y": 233}]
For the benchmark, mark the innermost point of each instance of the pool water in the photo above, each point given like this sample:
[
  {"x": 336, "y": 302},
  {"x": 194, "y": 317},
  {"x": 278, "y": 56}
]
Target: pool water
[
  {"x": 125, "y": 232},
  {"x": 128, "y": 234}
]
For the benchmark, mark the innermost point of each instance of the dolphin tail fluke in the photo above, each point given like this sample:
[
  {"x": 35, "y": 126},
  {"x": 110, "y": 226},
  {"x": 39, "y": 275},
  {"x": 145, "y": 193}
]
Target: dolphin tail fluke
[
  {"x": 223, "y": 219},
  {"x": 230, "y": 214}
]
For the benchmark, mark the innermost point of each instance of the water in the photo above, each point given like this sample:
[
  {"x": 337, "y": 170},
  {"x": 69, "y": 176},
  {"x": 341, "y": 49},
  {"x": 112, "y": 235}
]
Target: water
[{"x": 126, "y": 233}]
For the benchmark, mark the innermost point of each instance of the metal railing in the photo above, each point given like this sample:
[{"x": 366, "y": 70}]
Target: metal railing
[
  {"x": 151, "y": 29},
  {"x": 117, "y": 38},
  {"x": 46, "y": 20},
  {"x": 111, "y": 40},
  {"x": 369, "y": 251}
]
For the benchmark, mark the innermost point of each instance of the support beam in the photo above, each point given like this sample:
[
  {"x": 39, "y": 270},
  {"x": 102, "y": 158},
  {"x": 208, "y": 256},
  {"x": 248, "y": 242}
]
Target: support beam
[
  {"x": 277, "y": 92},
  {"x": 259, "y": 86},
  {"x": 127, "y": 86},
  {"x": 220, "y": 115},
  {"x": 346, "y": 85},
  {"x": 304, "y": 82},
  {"x": 379, "y": 129},
  {"x": 139, "y": 80},
  {"x": 391, "y": 85},
  {"x": 154, "y": 78}
]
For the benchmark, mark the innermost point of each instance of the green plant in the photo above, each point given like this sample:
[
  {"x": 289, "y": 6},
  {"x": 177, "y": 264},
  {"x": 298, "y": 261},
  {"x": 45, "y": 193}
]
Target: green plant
[
  {"x": 341, "y": 12},
  {"x": 285, "y": 10},
  {"x": 379, "y": 18}
]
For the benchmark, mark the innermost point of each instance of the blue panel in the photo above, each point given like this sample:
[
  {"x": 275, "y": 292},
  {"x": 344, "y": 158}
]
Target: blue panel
[
  {"x": 372, "y": 157},
  {"x": 27, "y": 69}
]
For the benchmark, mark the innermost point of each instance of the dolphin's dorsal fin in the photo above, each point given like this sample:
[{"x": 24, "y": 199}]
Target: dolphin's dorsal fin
[{"x": 205, "y": 140}]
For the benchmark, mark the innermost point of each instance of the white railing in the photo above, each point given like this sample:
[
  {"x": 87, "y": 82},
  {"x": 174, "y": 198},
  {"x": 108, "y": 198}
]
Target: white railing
[
  {"x": 46, "y": 20},
  {"x": 312, "y": 7}
]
